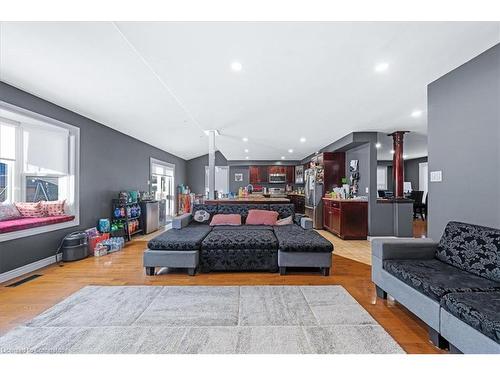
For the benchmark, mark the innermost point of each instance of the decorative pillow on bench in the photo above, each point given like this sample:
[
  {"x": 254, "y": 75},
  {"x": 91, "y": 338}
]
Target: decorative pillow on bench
[
  {"x": 8, "y": 211},
  {"x": 53, "y": 208},
  {"x": 29, "y": 209},
  {"x": 226, "y": 219}
]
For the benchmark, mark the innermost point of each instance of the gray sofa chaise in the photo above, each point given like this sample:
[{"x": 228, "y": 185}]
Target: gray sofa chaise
[
  {"x": 452, "y": 285},
  {"x": 194, "y": 245}
]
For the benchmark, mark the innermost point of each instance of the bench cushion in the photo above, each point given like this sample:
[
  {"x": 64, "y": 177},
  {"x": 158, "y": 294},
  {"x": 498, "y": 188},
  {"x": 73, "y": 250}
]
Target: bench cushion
[
  {"x": 187, "y": 238},
  {"x": 480, "y": 310},
  {"x": 435, "y": 278},
  {"x": 240, "y": 239},
  {"x": 294, "y": 238},
  {"x": 32, "y": 222},
  {"x": 472, "y": 248}
]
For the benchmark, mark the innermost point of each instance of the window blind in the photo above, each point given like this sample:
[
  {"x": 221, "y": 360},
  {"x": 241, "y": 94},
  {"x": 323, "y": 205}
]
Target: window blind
[
  {"x": 7, "y": 142},
  {"x": 46, "y": 150}
]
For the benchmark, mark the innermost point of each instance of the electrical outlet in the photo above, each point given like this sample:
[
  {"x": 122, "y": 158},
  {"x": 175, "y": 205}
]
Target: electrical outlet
[{"x": 366, "y": 190}]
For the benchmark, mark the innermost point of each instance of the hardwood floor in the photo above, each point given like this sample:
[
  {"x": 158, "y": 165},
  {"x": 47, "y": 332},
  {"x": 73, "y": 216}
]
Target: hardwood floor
[{"x": 22, "y": 303}]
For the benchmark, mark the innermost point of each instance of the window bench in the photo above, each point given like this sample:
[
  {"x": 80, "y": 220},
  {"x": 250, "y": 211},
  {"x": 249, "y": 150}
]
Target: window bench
[{"x": 32, "y": 222}]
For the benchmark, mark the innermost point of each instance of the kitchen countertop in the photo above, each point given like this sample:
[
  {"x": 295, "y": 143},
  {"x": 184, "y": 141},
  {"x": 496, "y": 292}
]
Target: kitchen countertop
[
  {"x": 346, "y": 200},
  {"x": 394, "y": 200},
  {"x": 297, "y": 194}
]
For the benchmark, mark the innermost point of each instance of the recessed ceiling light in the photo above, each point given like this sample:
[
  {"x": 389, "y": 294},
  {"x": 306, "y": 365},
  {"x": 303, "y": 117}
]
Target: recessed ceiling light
[
  {"x": 392, "y": 151},
  {"x": 290, "y": 150},
  {"x": 236, "y": 66},
  {"x": 416, "y": 113},
  {"x": 282, "y": 158},
  {"x": 378, "y": 145},
  {"x": 302, "y": 139},
  {"x": 246, "y": 157},
  {"x": 381, "y": 67},
  {"x": 245, "y": 139},
  {"x": 246, "y": 150}
]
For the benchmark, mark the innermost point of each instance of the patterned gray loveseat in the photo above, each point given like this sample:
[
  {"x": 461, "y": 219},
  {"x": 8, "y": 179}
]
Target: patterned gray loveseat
[
  {"x": 238, "y": 248},
  {"x": 452, "y": 285}
]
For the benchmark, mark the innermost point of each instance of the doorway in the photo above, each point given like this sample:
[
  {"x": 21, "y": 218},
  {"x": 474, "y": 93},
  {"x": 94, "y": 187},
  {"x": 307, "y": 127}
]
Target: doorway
[{"x": 163, "y": 188}]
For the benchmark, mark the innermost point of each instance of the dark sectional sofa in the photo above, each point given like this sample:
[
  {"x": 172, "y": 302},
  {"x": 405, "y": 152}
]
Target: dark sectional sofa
[
  {"x": 452, "y": 285},
  {"x": 195, "y": 245}
]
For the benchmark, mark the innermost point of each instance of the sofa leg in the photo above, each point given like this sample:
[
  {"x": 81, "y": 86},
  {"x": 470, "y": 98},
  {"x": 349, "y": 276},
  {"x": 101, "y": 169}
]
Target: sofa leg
[
  {"x": 380, "y": 292},
  {"x": 282, "y": 271},
  {"x": 325, "y": 271},
  {"x": 150, "y": 271},
  {"x": 454, "y": 350},
  {"x": 437, "y": 339},
  {"x": 191, "y": 271}
]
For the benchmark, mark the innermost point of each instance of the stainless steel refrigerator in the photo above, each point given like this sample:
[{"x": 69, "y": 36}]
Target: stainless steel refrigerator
[{"x": 313, "y": 197}]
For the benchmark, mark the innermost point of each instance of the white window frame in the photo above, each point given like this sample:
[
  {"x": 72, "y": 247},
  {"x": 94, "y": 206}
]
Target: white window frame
[{"x": 19, "y": 188}]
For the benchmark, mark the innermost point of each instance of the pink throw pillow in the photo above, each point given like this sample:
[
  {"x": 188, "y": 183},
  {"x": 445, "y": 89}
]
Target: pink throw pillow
[
  {"x": 226, "y": 219},
  {"x": 53, "y": 208},
  {"x": 29, "y": 209},
  {"x": 262, "y": 217}
]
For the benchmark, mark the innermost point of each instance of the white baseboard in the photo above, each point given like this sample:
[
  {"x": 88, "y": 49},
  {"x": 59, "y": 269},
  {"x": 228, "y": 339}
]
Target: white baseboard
[{"x": 12, "y": 274}]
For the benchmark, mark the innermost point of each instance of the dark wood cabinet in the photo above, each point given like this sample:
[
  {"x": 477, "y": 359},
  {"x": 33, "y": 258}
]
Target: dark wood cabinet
[
  {"x": 299, "y": 202},
  {"x": 258, "y": 174},
  {"x": 290, "y": 174},
  {"x": 347, "y": 219},
  {"x": 335, "y": 169}
]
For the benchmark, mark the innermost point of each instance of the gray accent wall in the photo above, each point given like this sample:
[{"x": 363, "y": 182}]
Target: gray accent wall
[
  {"x": 235, "y": 185},
  {"x": 464, "y": 143},
  {"x": 362, "y": 154},
  {"x": 412, "y": 173},
  {"x": 110, "y": 161}
]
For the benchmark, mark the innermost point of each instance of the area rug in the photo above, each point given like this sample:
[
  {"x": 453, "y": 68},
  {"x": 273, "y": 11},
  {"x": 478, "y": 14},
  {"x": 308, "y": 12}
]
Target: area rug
[{"x": 203, "y": 319}]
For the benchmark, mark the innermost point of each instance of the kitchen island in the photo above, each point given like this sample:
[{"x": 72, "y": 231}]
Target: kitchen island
[{"x": 249, "y": 200}]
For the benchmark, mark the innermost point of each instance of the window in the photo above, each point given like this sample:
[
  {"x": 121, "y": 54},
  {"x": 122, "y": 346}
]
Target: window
[
  {"x": 221, "y": 180},
  {"x": 38, "y": 161},
  {"x": 381, "y": 177}
]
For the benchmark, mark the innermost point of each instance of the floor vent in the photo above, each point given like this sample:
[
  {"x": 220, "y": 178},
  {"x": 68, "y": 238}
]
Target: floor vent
[{"x": 22, "y": 281}]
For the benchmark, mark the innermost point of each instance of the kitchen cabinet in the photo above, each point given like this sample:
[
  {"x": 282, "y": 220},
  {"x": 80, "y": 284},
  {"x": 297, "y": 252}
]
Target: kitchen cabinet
[
  {"x": 299, "y": 202},
  {"x": 290, "y": 174},
  {"x": 348, "y": 219},
  {"x": 258, "y": 174},
  {"x": 334, "y": 168}
]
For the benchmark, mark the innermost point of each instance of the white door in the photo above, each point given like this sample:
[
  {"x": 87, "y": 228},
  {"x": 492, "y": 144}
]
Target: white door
[
  {"x": 163, "y": 187},
  {"x": 423, "y": 178}
]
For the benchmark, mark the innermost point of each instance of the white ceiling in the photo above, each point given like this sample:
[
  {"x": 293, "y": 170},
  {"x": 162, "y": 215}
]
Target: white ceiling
[{"x": 164, "y": 83}]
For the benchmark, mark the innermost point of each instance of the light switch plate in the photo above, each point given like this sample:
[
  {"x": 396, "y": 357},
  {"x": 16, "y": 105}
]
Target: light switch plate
[
  {"x": 366, "y": 190},
  {"x": 436, "y": 176}
]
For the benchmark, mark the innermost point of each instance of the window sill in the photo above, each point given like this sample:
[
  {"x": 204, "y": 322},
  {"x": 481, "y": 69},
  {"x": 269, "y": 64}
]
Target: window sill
[{"x": 38, "y": 230}]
